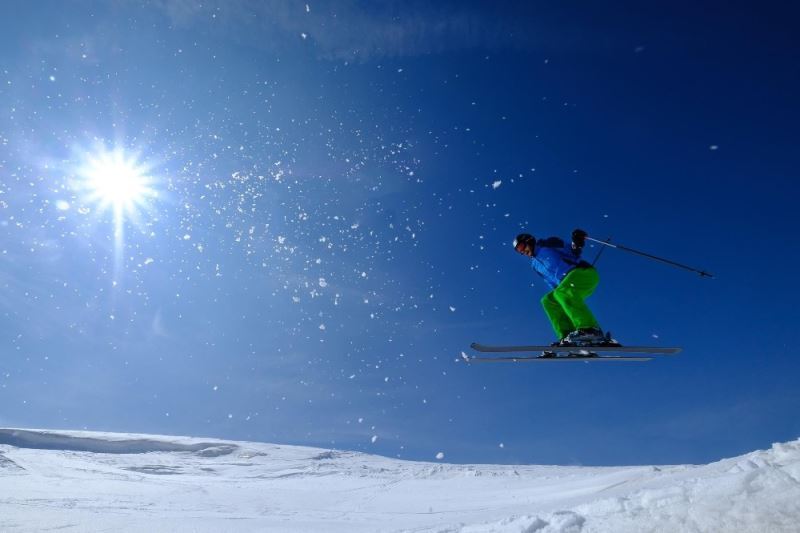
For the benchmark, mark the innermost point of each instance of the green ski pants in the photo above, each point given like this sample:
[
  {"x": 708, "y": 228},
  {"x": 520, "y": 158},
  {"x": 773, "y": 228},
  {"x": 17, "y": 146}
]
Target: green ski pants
[{"x": 564, "y": 305}]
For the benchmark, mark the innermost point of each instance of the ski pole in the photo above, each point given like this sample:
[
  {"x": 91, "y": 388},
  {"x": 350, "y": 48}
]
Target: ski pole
[
  {"x": 597, "y": 257},
  {"x": 638, "y": 252}
]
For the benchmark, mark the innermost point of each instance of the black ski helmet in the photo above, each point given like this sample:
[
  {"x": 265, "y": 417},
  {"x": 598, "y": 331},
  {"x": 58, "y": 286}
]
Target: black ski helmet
[{"x": 524, "y": 238}]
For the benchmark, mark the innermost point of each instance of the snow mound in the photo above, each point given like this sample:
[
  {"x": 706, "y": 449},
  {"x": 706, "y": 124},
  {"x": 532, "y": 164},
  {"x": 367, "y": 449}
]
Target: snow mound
[
  {"x": 123, "y": 482},
  {"x": 757, "y": 492}
]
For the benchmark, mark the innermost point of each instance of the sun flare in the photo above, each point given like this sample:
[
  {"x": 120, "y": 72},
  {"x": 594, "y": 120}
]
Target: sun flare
[{"x": 117, "y": 181}]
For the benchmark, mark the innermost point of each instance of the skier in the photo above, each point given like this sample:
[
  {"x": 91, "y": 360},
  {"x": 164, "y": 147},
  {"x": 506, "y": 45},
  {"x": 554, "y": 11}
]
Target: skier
[{"x": 571, "y": 280}]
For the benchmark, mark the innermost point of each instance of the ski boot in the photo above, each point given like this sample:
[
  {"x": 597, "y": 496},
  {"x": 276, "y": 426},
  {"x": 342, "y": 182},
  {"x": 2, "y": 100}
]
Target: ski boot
[
  {"x": 585, "y": 337},
  {"x": 609, "y": 341}
]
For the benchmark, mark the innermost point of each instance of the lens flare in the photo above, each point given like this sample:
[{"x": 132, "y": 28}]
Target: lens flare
[{"x": 117, "y": 181}]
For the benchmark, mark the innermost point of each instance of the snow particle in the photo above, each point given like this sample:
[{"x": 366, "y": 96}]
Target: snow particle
[{"x": 440, "y": 456}]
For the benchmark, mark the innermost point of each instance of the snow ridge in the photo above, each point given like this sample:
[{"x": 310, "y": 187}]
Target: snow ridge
[{"x": 44, "y": 440}]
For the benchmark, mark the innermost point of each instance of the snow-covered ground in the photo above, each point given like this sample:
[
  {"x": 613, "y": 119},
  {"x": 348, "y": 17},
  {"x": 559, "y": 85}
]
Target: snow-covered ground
[{"x": 85, "y": 481}]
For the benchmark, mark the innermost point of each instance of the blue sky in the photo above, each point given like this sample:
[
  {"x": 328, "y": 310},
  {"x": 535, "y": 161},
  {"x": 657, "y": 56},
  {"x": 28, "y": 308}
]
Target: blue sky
[{"x": 336, "y": 186}]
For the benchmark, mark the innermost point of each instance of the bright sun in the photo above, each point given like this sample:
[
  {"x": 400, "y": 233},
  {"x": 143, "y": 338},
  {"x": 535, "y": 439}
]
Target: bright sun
[
  {"x": 115, "y": 180},
  {"x": 120, "y": 182}
]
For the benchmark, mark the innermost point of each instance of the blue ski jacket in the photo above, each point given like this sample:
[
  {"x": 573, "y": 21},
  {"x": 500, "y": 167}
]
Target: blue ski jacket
[{"x": 553, "y": 260}]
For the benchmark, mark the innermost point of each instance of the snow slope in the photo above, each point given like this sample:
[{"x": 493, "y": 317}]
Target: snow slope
[{"x": 85, "y": 481}]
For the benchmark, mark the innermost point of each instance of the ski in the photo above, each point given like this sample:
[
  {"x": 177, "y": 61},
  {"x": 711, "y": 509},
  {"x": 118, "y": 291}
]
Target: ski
[
  {"x": 562, "y": 358},
  {"x": 651, "y": 350}
]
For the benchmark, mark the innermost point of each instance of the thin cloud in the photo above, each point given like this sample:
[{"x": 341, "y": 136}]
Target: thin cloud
[{"x": 348, "y": 29}]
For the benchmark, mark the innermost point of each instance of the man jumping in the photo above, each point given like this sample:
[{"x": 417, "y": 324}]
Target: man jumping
[{"x": 572, "y": 280}]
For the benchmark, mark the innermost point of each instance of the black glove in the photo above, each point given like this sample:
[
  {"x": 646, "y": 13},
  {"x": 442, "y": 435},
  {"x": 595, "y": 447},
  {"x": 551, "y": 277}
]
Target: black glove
[{"x": 579, "y": 238}]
